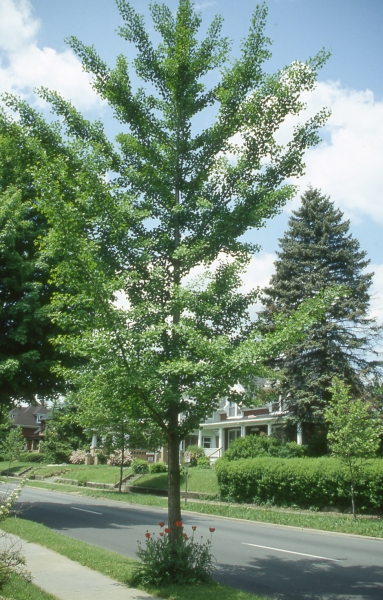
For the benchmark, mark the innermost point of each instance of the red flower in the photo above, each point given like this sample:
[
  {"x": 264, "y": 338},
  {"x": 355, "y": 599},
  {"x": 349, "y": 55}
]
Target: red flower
[
  {"x": 147, "y": 534},
  {"x": 167, "y": 530},
  {"x": 194, "y": 527},
  {"x": 161, "y": 524},
  {"x": 211, "y": 529},
  {"x": 184, "y": 535},
  {"x": 161, "y": 533},
  {"x": 178, "y": 523}
]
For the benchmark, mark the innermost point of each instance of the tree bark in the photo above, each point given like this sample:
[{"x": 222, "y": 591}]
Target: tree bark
[
  {"x": 174, "y": 484},
  {"x": 353, "y": 498}
]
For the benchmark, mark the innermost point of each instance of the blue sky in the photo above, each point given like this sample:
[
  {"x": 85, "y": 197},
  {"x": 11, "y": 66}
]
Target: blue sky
[{"x": 348, "y": 165}]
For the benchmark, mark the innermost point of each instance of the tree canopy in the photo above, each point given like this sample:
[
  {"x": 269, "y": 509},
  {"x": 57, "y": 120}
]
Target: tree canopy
[
  {"x": 26, "y": 354},
  {"x": 354, "y": 431},
  {"x": 130, "y": 221}
]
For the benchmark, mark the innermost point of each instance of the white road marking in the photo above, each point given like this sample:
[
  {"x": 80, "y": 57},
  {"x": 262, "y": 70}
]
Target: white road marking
[
  {"x": 83, "y": 510},
  {"x": 291, "y": 552}
]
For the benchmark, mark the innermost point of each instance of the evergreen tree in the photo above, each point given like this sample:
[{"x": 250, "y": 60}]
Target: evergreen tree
[{"x": 318, "y": 252}]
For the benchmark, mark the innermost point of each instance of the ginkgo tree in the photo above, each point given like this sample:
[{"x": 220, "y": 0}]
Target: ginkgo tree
[
  {"x": 132, "y": 221},
  {"x": 354, "y": 431}
]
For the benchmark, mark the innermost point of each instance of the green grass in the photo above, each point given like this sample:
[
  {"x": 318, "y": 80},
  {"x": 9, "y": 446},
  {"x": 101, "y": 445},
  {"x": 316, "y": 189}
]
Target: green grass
[
  {"x": 83, "y": 473},
  {"x": 200, "y": 480},
  {"x": 367, "y": 526},
  {"x": 115, "y": 566},
  {"x": 18, "y": 588},
  {"x": 16, "y": 466}
]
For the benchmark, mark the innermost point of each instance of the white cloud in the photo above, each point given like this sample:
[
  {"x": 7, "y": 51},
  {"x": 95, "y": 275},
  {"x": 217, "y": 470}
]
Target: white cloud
[
  {"x": 348, "y": 164},
  {"x": 259, "y": 271},
  {"x": 203, "y": 5},
  {"x": 377, "y": 292},
  {"x": 24, "y": 65}
]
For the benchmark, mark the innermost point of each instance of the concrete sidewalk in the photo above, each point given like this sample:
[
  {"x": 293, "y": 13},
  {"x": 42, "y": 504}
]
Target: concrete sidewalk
[{"x": 68, "y": 580}]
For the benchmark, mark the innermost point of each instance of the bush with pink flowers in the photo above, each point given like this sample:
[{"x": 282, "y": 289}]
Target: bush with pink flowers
[
  {"x": 77, "y": 457},
  {"x": 115, "y": 458}
]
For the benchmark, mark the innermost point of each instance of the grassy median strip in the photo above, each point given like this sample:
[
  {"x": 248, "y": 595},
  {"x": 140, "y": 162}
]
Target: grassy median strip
[
  {"x": 368, "y": 526},
  {"x": 114, "y": 565}
]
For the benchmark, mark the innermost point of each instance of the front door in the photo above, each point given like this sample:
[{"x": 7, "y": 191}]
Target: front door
[{"x": 232, "y": 435}]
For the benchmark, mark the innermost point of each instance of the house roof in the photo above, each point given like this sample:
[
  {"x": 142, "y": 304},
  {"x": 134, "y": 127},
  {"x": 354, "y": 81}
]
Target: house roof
[{"x": 26, "y": 416}]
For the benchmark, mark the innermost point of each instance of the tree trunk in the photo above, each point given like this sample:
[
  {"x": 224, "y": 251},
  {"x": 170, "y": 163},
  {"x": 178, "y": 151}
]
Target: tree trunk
[
  {"x": 174, "y": 485},
  {"x": 352, "y": 488},
  {"x": 121, "y": 468}
]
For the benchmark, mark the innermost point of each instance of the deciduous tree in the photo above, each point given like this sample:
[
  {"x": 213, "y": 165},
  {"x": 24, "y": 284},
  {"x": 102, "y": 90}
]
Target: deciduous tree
[
  {"x": 354, "y": 431},
  {"x": 130, "y": 223},
  {"x": 26, "y": 354}
]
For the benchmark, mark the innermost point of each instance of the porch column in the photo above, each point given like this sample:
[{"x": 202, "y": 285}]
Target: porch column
[
  {"x": 299, "y": 434},
  {"x": 243, "y": 430},
  {"x": 220, "y": 441},
  {"x": 93, "y": 445},
  {"x": 268, "y": 428},
  {"x": 200, "y": 438}
]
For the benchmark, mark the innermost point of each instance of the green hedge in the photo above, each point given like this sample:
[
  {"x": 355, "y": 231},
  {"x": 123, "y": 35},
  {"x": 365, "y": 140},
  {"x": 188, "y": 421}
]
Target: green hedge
[
  {"x": 313, "y": 483},
  {"x": 140, "y": 467},
  {"x": 33, "y": 457},
  {"x": 253, "y": 446}
]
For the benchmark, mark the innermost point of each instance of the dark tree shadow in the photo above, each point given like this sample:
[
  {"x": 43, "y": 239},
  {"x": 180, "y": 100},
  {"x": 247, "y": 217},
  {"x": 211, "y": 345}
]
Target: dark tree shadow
[{"x": 304, "y": 579}]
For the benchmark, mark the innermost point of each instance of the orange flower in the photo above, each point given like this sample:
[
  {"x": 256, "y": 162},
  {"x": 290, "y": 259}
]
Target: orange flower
[
  {"x": 211, "y": 529},
  {"x": 167, "y": 530},
  {"x": 178, "y": 523},
  {"x": 184, "y": 535},
  {"x": 161, "y": 533},
  {"x": 161, "y": 524},
  {"x": 194, "y": 527},
  {"x": 147, "y": 534}
]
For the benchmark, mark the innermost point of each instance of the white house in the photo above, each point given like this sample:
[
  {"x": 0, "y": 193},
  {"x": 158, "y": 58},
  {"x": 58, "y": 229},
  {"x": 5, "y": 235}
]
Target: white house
[{"x": 231, "y": 421}]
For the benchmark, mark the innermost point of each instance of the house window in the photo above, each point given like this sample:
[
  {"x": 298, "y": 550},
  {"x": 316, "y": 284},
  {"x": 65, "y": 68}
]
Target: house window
[
  {"x": 234, "y": 410},
  {"x": 206, "y": 442},
  {"x": 232, "y": 435}
]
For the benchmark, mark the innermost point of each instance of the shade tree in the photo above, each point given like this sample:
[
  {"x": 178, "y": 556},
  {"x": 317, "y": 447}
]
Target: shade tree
[{"x": 130, "y": 221}]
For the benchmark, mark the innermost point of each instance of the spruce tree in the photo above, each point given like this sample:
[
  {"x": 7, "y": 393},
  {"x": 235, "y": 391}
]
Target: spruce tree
[{"x": 317, "y": 252}]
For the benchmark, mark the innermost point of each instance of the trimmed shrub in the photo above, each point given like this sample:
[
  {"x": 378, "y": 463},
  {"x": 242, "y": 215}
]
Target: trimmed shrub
[
  {"x": 140, "y": 467},
  {"x": 252, "y": 446},
  {"x": 195, "y": 453},
  {"x": 313, "y": 483},
  {"x": 158, "y": 467},
  {"x": 32, "y": 457},
  {"x": 203, "y": 462},
  {"x": 55, "y": 451}
]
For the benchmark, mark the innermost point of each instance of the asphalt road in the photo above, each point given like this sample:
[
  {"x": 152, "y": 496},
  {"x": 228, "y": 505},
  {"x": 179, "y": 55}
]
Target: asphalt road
[{"x": 283, "y": 562}]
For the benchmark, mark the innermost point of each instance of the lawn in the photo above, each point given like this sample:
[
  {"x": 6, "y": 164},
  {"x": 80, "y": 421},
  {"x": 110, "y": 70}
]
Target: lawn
[
  {"x": 82, "y": 473},
  {"x": 15, "y": 467},
  {"x": 200, "y": 480},
  {"x": 114, "y": 565}
]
